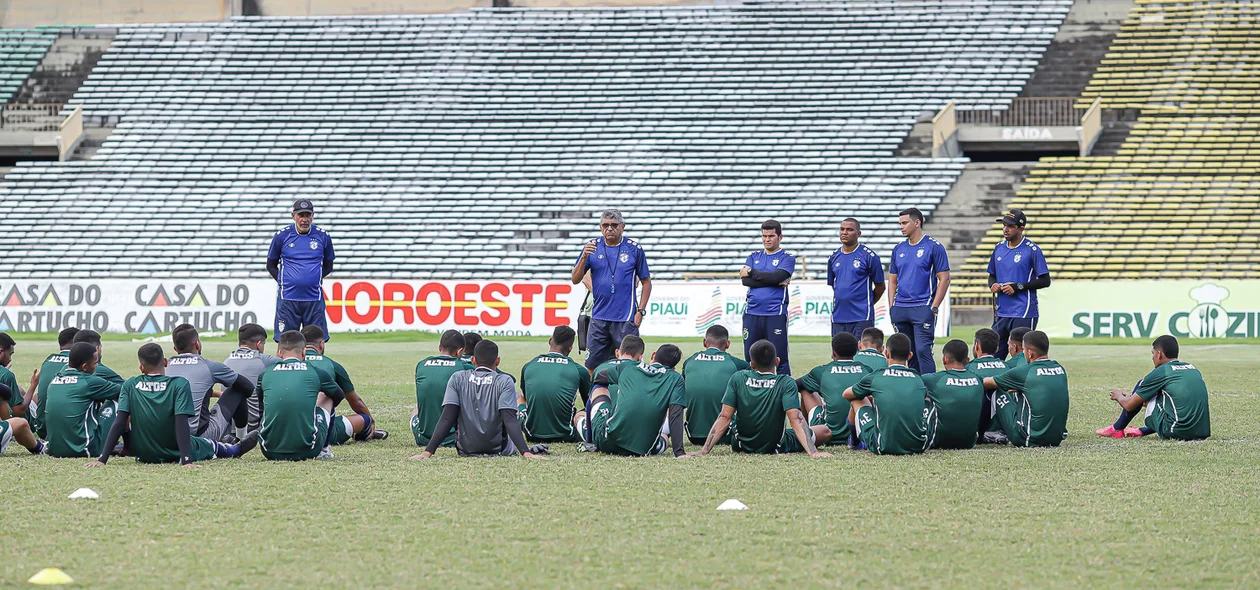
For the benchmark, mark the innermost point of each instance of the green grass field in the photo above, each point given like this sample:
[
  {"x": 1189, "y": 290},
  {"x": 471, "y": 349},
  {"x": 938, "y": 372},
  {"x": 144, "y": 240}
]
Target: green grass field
[{"x": 1094, "y": 512}]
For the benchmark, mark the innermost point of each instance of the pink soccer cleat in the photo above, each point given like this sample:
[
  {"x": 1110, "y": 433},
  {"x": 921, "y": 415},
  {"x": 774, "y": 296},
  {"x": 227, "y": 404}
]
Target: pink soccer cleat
[
  {"x": 1110, "y": 432},
  {"x": 1133, "y": 431}
]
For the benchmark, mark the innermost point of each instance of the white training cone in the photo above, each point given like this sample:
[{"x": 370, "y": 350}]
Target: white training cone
[
  {"x": 85, "y": 493},
  {"x": 732, "y": 504},
  {"x": 50, "y": 577}
]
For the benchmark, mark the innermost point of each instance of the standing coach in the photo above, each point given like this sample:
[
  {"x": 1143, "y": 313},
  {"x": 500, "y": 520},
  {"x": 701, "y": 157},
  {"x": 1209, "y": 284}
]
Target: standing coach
[
  {"x": 856, "y": 277},
  {"x": 918, "y": 277},
  {"x": 767, "y": 273},
  {"x": 1017, "y": 269},
  {"x": 301, "y": 255},
  {"x": 615, "y": 263}
]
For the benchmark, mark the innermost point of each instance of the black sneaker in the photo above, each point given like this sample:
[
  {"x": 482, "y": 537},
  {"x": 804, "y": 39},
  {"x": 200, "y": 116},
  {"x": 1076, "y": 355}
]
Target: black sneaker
[
  {"x": 229, "y": 439},
  {"x": 248, "y": 443},
  {"x": 539, "y": 450},
  {"x": 379, "y": 434},
  {"x": 586, "y": 447},
  {"x": 995, "y": 437}
]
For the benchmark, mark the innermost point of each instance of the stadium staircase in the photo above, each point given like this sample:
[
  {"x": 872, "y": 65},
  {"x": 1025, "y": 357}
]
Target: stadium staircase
[
  {"x": 1187, "y": 175},
  {"x": 484, "y": 144}
]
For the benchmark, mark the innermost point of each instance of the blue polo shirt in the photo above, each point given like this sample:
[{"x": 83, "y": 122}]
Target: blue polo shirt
[
  {"x": 915, "y": 266},
  {"x": 1020, "y": 264},
  {"x": 301, "y": 261},
  {"x": 769, "y": 300},
  {"x": 615, "y": 274},
  {"x": 852, "y": 278}
]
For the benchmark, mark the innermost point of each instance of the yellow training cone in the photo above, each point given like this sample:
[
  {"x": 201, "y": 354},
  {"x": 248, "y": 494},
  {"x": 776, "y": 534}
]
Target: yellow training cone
[{"x": 51, "y": 577}]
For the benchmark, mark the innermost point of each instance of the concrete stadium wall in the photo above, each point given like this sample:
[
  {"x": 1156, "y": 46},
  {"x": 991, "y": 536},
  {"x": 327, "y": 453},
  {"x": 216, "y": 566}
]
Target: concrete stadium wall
[{"x": 20, "y": 14}]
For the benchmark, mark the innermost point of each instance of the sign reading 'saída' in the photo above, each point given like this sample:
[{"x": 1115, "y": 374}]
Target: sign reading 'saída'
[{"x": 1147, "y": 309}]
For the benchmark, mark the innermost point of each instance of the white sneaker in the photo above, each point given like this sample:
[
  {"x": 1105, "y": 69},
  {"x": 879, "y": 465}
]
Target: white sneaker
[{"x": 325, "y": 454}]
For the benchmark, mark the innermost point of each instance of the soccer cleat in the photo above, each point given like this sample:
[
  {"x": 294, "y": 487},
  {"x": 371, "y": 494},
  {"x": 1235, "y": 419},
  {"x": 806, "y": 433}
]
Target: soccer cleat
[
  {"x": 1133, "y": 431},
  {"x": 379, "y": 434},
  {"x": 539, "y": 449},
  {"x": 230, "y": 439},
  {"x": 247, "y": 444},
  {"x": 995, "y": 437},
  {"x": 1110, "y": 432},
  {"x": 325, "y": 454},
  {"x": 587, "y": 448}
]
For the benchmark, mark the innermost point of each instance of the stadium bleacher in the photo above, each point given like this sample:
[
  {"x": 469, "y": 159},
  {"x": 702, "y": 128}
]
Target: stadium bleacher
[
  {"x": 20, "y": 52},
  {"x": 1181, "y": 199},
  {"x": 484, "y": 144}
]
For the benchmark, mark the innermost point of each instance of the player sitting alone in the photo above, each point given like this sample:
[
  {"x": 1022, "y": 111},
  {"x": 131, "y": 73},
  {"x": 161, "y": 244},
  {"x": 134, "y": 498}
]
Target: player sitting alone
[
  {"x": 432, "y": 376},
  {"x": 757, "y": 400},
  {"x": 986, "y": 364},
  {"x": 646, "y": 395},
  {"x": 871, "y": 349},
  {"x": 1175, "y": 396},
  {"x": 822, "y": 391},
  {"x": 314, "y": 354},
  {"x": 1032, "y": 399},
  {"x": 550, "y": 385},
  {"x": 890, "y": 405},
  {"x": 480, "y": 405},
  {"x": 1016, "y": 345},
  {"x": 957, "y": 398},
  {"x": 156, "y": 410},
  {"x": 80, "y": 407},
  {"x": 18, "y": 429},
  {"x": 705, "y": 375},
  {"x": 298, "y": 400}
]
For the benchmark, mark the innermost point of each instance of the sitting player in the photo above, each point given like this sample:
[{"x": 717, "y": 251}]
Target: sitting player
[
  {"x": 871, "y": 349},
  {"x": 249, "y": 360},
  {"x": 628, "y": 354},
  {"x": 1175, "y": 396},
  {"x": 757, "y": 400},
  {"x": 53, "y": 365},
  {"x": 298, "y": 400},
  {"x": 480, "y": 405},
  {"x": 156, "y": 410},
  {"x": 432, "y": 376},
  {"x": 94, "y": 338},
  {"x": 705, "y": 375},
  {"x": 646, "y": 395},
  {"x": 314, "y": 354},
  {"x": 14, "y": 403},
  {"x": 550, "y": 385},
  {"x": 1032, "y": 399},
  {"x": 985, "y": 364},
  {"x": 202, "y": 375},
  {"x": 890, "y": 405},
  {"x": 957, "y": 399},
  {"x": 822, "y": 390},
  {"x": 79, "y": 407},
  {"x": 1016, "y": 345},
  {"x": 470, "y": 342}
]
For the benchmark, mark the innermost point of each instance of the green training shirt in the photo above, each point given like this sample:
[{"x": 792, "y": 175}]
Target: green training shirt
[
  {"x": 290, "y": 390},
  {"x": 900, "y": 403},
  {"x": 8, "y": 378},
  {"x": 642, "y": 404},
  {"x": 1179, "y": 401},
  {"x": 550, "y": 383},
  {"x": 69, "y": 413},
  {"x": 153, "y": 402},
  {"x": 958, "y": 398},
  {"x": 705, "y": 377},
  {"x": 1018, "y": 360},
  {"x": 432, "y": 375},
  {"x": 334, "y": 368},
  {"x": 829, "y": 381},
  {"x": 761, "y": 401},
  {"x": 1043, "y": 387},
  {"x": 873, "y": 359},
  {"x": 987, "y": 366},
  {"x": 613, "y": 368}
]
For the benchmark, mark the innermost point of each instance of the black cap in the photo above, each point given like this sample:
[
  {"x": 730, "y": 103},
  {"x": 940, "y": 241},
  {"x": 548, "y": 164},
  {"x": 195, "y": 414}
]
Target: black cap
[
  {"x": 303, "y": 206},
  {"x": 1014, "y": 217}
]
